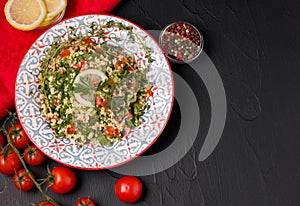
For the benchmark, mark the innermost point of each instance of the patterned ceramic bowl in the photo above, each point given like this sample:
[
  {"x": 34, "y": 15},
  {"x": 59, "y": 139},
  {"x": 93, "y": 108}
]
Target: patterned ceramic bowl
[{"x": 94, "y": 156}]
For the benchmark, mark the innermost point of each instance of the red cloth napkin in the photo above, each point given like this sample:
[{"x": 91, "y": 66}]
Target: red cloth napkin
[{"x": 15, "y": 43}]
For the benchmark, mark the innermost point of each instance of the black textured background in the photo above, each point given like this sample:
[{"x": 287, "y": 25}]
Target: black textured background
[{"x": 255, "y": 46}]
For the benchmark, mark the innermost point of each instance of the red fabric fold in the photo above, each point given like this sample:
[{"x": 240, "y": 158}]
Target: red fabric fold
[{"x": 15, "y": 43}]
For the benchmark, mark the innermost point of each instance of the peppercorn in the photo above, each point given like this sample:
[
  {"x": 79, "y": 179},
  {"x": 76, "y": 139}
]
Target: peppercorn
[{"x": 181, "y": 41}]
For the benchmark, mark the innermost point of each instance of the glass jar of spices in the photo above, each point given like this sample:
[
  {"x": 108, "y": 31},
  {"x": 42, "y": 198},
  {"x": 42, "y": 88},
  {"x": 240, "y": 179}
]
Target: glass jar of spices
[{"x": 181, "y": 41}]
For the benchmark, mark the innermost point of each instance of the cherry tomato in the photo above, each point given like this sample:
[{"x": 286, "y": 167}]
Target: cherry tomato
[
  {"x": 33, "y": 156},
  {"x": 1, "y": 140},
  {"x": 61, "y": 180},
  {"x": 9, "y": 161},
  {"x": 18, "y": 136},
  {"x": 128, "y": 189},
  {"x": 45, "y": 203},
  {"x": 22, "y": 181},
  {"x": 85, "y": 201}
]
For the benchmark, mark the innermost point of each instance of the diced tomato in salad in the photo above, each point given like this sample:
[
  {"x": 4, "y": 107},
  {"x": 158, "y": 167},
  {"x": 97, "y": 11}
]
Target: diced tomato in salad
[{"x": 65, "y": 53}]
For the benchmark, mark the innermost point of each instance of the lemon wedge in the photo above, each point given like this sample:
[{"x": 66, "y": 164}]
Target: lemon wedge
[{"x": 25, "y": 14}]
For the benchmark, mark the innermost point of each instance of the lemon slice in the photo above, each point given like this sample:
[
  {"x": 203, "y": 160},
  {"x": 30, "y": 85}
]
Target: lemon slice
[
  {"x": 25, "y": 14},
  {"x": 54, "y": 7},
  {"x": 85, "y": 86},
  {"x": 48, "y": 21}
]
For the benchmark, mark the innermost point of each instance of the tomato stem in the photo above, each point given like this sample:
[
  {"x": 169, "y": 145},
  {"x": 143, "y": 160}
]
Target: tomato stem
[{"x": 12, "y": 118}]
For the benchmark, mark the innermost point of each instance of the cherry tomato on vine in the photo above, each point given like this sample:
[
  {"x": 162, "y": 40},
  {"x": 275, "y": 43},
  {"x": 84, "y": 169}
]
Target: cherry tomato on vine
[
  {"x": 33, "y": 156},
  {"x": 85, "y": 201},
  {"x": 1, "y": 140},
  {"x": 128, "y": 189},
  {"x": 18, "y": 136},
  {"x": 45, "y": 203},
  {"x": 22, "y": 181},
  {"x": 61, "y": 180},
  {"x": 9, "y": 161}
]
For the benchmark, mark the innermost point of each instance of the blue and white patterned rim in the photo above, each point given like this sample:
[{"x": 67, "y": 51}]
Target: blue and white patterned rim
[{"x": 92, "y": 156}]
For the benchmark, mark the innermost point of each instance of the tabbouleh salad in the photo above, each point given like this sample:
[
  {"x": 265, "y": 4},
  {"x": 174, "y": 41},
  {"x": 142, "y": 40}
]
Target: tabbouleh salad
[{"x": 92, "y": 92}]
